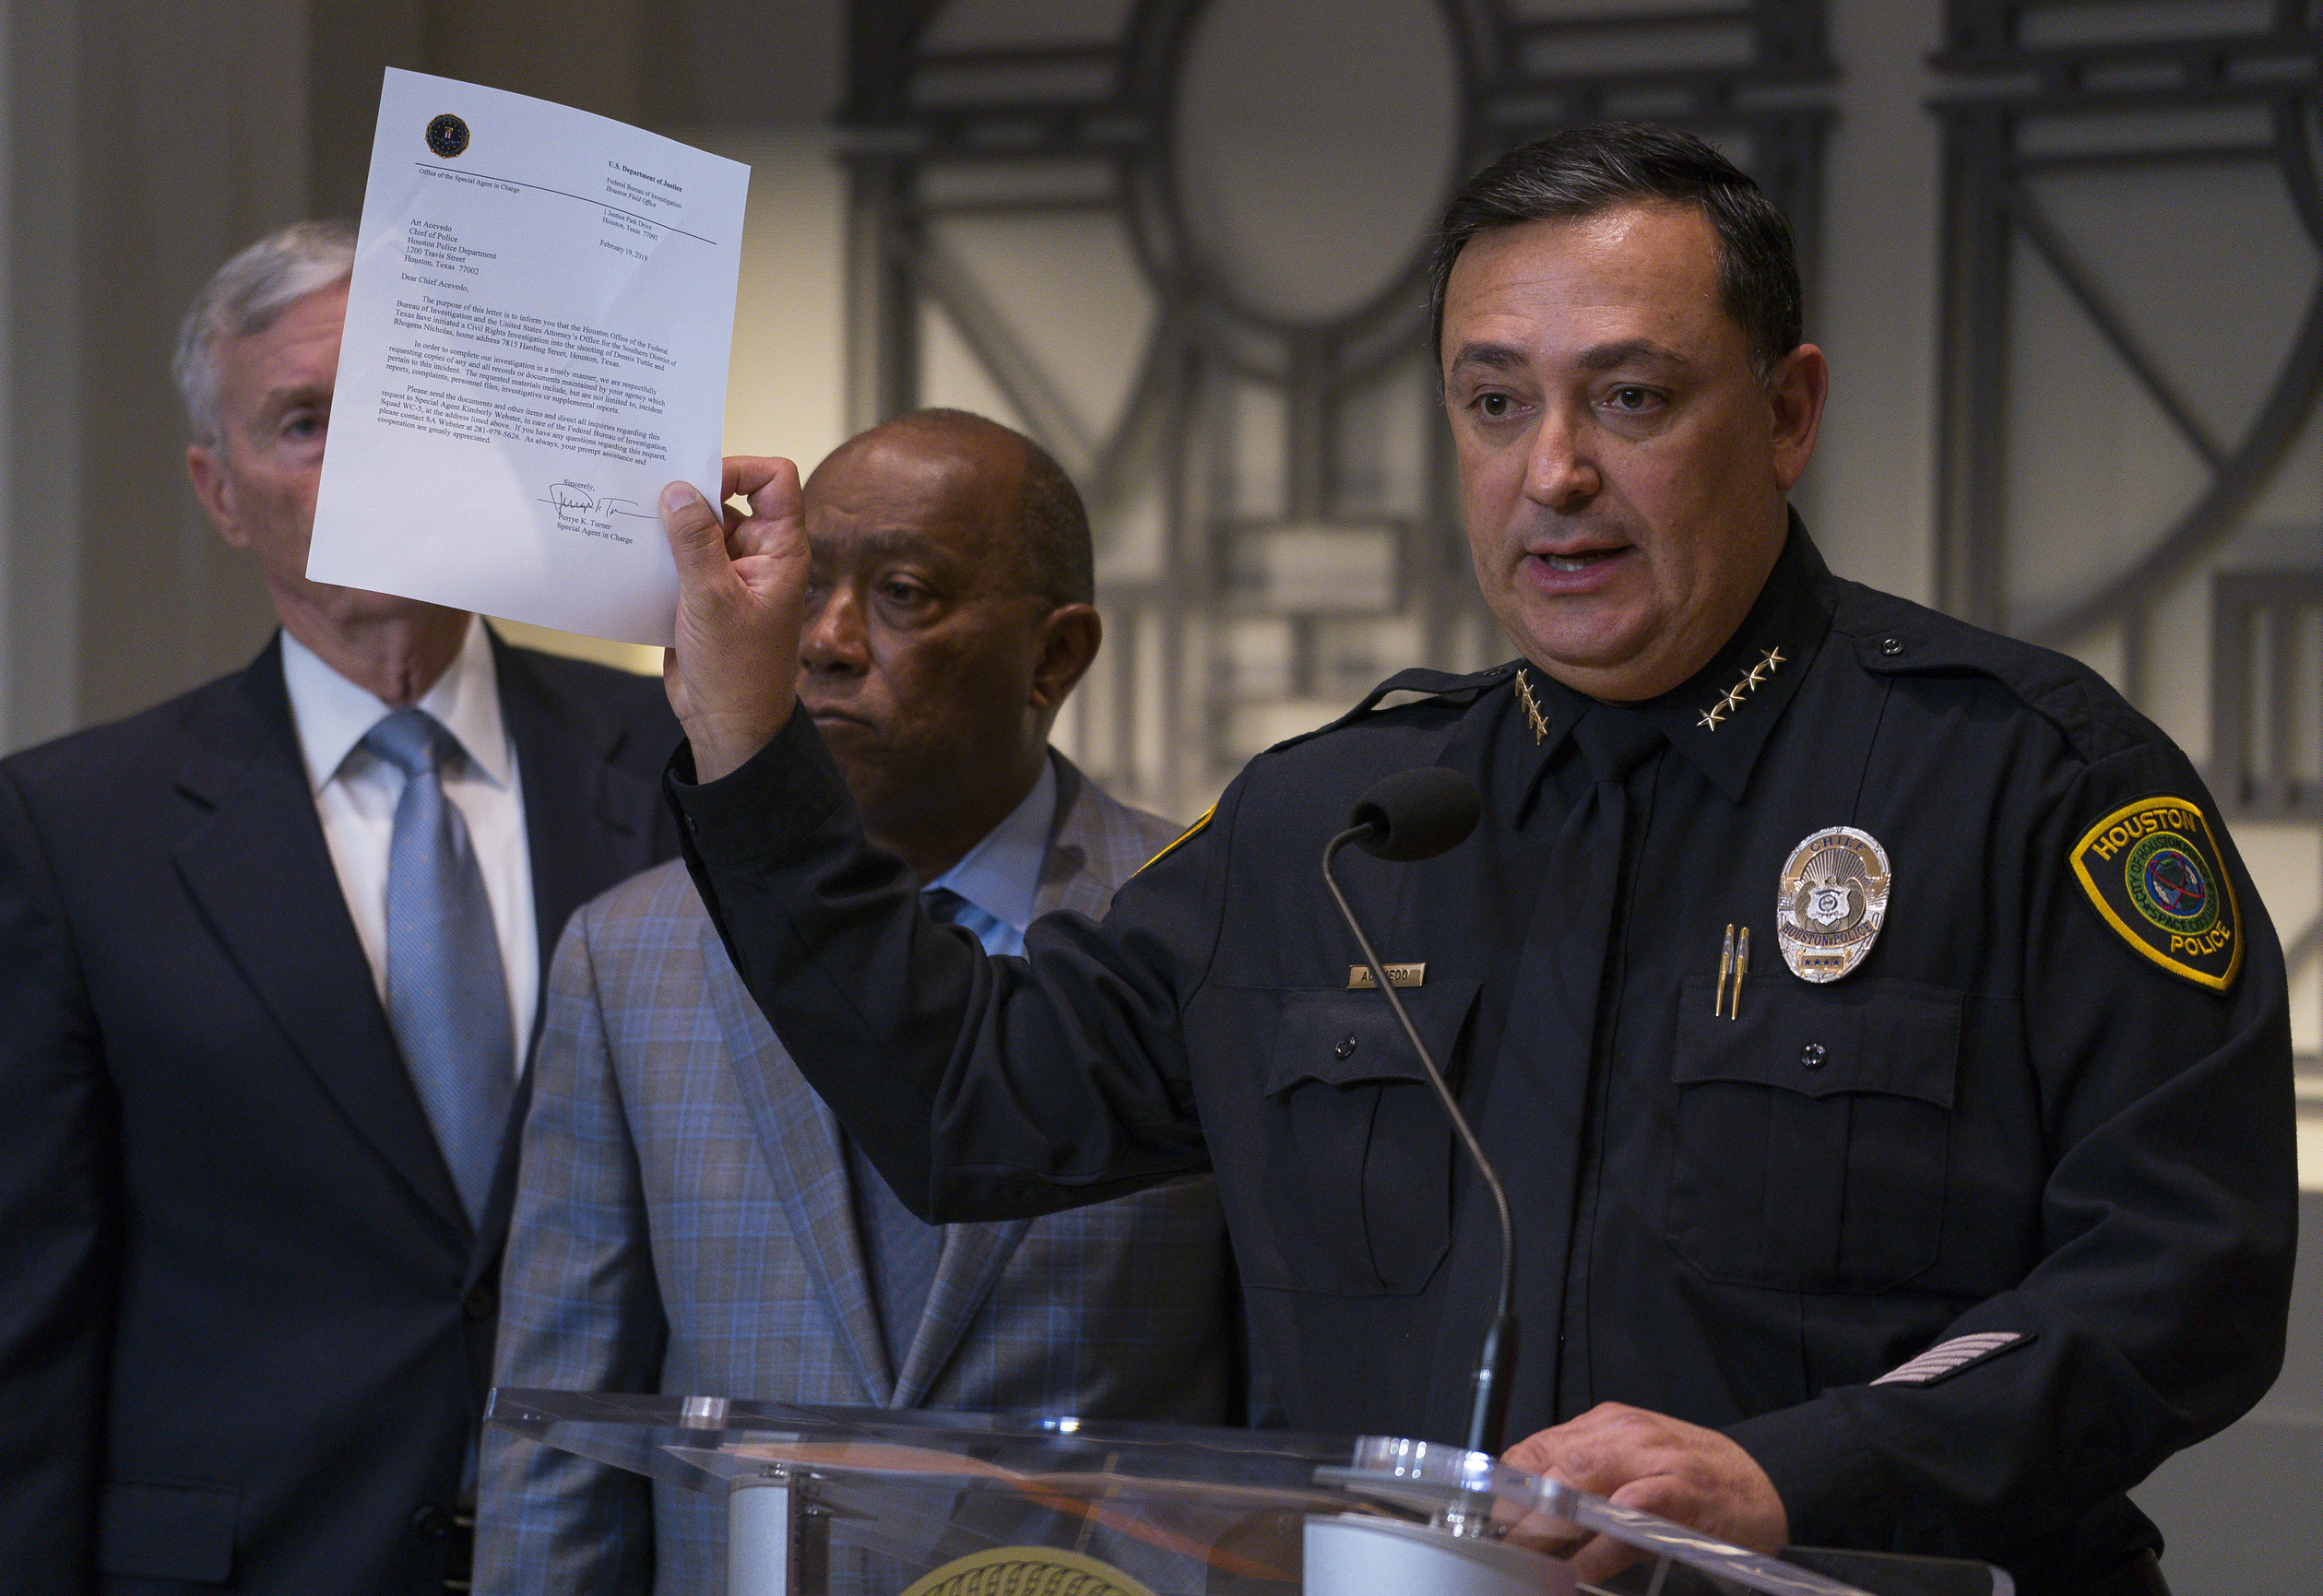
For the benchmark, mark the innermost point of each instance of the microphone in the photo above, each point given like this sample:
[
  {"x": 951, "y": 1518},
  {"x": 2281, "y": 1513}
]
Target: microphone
[{"x": 1416, "y": 814}]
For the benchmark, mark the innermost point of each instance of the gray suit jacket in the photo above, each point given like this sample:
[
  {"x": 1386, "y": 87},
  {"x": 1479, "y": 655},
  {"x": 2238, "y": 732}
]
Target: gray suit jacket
[{"x": 683, "y": 1223}]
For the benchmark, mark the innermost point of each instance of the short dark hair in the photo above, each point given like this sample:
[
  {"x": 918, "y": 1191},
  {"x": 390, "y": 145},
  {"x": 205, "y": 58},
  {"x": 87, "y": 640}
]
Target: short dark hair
[
  {"x": 1052, "y": 525},
  {"x": 1062, "y": 566},
  {"x": 1582, "y": 170}
]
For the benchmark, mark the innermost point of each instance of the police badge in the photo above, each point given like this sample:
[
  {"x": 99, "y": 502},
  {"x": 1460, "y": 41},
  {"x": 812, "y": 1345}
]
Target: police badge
[{"x": 1831, "y": 903}]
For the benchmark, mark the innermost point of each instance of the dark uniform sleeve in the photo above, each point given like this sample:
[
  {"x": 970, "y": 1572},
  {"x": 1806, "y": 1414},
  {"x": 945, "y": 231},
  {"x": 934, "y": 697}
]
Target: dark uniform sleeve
[
  {"x": 56, "y": 1225},
  {"x": 982, "y": 1088},
  {"x": 2155, "y": 1314}
]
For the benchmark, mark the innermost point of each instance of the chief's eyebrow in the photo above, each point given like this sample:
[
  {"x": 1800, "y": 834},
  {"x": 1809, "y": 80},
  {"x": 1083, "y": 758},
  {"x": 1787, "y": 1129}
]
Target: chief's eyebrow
[
  {"x": 1491, "y": 356},
  {"x": 1597, "y": 358},
  {"x": 1629, "y": 351}
]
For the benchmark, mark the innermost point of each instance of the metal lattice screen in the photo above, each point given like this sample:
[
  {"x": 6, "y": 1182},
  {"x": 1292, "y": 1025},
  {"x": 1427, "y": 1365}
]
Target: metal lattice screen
[
  {"x": 1180, "y": 243},
  {"x": 2132, "y": 456}
]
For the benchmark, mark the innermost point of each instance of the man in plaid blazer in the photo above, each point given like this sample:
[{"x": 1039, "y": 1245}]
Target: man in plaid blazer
[{"x": 690, "y": 1218}]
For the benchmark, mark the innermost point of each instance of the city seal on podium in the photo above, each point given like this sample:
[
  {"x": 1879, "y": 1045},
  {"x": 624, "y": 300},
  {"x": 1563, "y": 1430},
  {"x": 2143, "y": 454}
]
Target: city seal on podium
[
  {"x": 1025, "y": 1571},
  {"x": 447, "y": 136},
  {"x": 2151, "y": 869},
  {"x": 1831, "y": 903}
]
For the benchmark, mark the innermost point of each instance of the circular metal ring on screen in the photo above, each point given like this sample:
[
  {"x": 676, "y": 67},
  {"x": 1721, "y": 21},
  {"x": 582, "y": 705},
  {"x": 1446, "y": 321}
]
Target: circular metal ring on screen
[{"x": 1330, "y": 229}]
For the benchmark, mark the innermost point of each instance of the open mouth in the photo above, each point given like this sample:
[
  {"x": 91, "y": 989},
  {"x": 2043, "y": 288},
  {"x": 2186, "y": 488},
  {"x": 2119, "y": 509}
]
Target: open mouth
[{"x": 1581, "y": 562}]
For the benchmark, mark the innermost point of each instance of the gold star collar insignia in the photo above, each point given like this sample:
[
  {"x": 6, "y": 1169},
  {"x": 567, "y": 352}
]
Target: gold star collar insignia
[
  {"x": 1710, "y": 719},
  {"x": 1532, "y": 716}
]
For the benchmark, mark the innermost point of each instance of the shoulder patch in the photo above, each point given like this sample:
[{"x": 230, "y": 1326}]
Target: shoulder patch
[
  {"x": 2153, "y": 869},
  {"x": 1181, "y": 836}
]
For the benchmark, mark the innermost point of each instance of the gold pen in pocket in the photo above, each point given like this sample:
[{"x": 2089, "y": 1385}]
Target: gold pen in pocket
[{"x": 1734, "y": 959}]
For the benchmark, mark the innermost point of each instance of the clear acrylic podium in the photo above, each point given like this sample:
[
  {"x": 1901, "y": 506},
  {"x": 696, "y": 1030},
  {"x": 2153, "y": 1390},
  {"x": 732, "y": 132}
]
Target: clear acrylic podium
[{"x": 1016, "y": 1505}]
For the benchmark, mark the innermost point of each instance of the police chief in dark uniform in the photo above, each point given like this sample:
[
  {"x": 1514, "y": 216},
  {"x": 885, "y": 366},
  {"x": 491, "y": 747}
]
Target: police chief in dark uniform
[{"x": 1885, "y": 1050}]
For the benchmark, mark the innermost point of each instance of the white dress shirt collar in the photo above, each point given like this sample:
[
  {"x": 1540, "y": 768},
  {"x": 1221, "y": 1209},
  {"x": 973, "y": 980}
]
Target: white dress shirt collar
[{"x": 333, "y": 714}]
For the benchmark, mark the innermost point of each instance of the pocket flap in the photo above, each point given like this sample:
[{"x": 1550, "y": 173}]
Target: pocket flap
[
  {"x": 1341, "y": 1037},
  {"x": 167, "y": 1532},
  {"x": 1900, "y": 1038}
]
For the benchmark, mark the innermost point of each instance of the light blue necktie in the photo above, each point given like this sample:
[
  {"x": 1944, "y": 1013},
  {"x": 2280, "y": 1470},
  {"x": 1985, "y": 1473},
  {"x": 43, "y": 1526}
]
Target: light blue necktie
[
  {"x": 997, "y": 935},
  {"x": 447, "y": 993}
]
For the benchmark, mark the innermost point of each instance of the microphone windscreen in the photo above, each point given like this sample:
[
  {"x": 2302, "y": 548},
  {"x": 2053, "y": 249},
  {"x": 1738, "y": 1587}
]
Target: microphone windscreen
[{"x": 1418, "y": 813}]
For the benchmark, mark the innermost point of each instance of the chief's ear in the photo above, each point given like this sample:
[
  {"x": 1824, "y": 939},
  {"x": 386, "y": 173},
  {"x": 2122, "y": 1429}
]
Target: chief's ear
[
  {"x": 214, "y": 487},
  {"x": 1069, "y": 636},
  {"x": 1796, "y": 392}
]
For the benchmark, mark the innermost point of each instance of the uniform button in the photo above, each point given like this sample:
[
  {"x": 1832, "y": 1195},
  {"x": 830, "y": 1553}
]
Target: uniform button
[
  {"x": 1343, "y": 1048},
  {"x": 480, "y": 1303},
  {"x": 1892, "y": 647},
  {"x": 431, "y": 1522},
  {"x": 1812, "y": 1056}
]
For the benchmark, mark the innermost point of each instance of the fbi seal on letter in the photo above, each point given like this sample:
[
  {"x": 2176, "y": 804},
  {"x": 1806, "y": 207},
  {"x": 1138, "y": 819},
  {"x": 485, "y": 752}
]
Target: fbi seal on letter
[
  {"x": 1831, "y": 903},
  {"x": 447, "y": 136}
]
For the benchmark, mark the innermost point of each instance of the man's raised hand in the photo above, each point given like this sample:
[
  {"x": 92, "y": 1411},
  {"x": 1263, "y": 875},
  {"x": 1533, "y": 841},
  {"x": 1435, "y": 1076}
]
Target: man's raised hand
[{"x": 741, "y": 594}]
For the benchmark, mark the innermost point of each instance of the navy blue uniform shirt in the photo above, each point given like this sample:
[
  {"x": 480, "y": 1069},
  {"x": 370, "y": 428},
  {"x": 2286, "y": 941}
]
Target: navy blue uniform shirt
[{"x": 2011, "y": 1121}]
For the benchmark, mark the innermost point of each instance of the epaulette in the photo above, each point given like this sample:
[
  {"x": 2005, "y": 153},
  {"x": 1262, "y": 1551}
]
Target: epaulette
[
  {"x": 1894, "y": 636},
  {"x": 1418, "y": 680},
  {"x": 1423, "y": 682}
]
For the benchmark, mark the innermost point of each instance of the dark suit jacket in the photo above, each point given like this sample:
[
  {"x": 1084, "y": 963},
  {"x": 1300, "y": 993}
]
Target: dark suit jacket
[{"x": 244, "y": 1323}]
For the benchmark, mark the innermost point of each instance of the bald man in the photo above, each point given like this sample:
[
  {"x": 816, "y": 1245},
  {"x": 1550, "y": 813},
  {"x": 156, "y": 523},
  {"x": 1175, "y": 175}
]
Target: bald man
[{"x": 689, "y": 1217}]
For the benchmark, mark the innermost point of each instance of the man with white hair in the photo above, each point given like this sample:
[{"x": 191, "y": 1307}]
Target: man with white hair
[{"x": 269, "y": 967}]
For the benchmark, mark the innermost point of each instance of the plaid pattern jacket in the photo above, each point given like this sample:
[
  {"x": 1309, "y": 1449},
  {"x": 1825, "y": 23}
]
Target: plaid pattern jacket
[{"x": 683, "y": 1223}]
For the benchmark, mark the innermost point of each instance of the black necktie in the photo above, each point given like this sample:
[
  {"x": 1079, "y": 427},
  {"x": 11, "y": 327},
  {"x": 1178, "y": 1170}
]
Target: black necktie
[{"x": 1585, "y": 868}]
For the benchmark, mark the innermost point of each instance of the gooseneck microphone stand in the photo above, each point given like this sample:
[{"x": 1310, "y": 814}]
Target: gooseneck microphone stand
[{"x": 1416, "y": 814}]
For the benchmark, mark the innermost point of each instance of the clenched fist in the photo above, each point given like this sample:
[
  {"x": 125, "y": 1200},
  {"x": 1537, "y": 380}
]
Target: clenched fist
[{"x": 741, "y": 595}]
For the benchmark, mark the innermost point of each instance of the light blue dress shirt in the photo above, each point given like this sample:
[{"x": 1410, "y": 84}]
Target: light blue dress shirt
[{"x": 1001, "y": 876}]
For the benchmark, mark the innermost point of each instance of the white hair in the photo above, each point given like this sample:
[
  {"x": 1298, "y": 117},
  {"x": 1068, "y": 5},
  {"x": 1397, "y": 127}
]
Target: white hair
[{"x": 245, "y": 297}]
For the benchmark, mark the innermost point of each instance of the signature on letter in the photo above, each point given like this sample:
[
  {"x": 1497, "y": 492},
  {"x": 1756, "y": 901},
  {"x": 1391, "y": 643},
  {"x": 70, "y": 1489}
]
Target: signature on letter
[{"x": 580, "y": 508}]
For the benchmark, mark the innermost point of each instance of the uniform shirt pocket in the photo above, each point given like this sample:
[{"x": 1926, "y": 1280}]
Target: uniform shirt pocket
[
  {"x": 1356, "y": 1171},
  {"x": 157, "y": 1532},
  {"x": 1813, "y": 1133}
]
